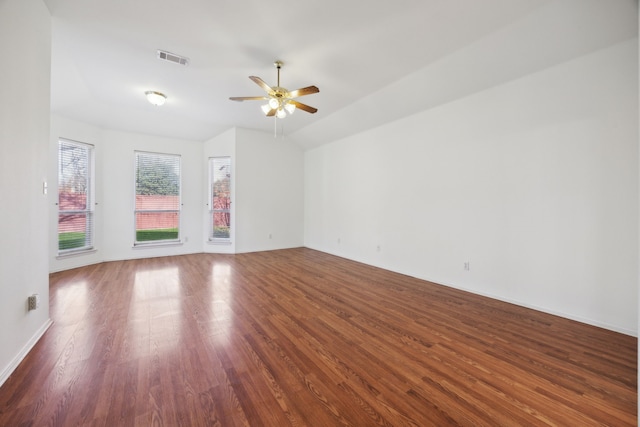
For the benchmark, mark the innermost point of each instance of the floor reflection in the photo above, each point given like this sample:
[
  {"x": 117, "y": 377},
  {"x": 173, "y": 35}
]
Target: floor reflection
[
  {"x": 155, "y": 314},
  {"x": 70, "y": 307},
  {"x": 157, "y": 283},
  {"x": 221, "y": 297}
]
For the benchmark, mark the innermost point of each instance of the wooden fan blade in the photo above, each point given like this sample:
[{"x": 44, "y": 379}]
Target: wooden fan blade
[
  {"x": 304, "y": 91},
  {"x": 247, "y": 98},
  {"x": 271, "y": 112},
  {"x": 261, "y": 83},
  {"x": 303, "y": 107}
]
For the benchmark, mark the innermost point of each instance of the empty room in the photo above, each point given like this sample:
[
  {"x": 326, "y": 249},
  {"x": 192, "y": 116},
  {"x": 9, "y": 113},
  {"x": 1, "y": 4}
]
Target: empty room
[{"x": 248, "y": 213}]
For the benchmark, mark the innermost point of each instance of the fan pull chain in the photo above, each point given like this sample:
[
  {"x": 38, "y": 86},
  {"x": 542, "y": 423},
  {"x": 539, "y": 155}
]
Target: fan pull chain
[{"x": 275, "y": 128}]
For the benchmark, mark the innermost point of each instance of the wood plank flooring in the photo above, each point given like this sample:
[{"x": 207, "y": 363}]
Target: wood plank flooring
[{"x": 301, "y": 338}]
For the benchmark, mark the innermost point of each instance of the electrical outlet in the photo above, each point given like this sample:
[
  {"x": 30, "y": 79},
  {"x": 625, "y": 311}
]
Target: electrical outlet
[
  {"x": 466, "y": 266},
  {"x": 34, "y": 302}
]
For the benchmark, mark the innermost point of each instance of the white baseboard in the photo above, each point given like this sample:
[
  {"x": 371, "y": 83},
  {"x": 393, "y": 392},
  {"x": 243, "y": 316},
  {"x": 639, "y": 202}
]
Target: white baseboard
[{"x": 8, "y": 370}]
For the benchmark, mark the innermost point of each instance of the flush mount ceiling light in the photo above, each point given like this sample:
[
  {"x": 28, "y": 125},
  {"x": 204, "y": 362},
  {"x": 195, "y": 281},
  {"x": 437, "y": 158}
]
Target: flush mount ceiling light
[
  {"x": 156, "y": 98},
  {"x": 280, "y": 101}
]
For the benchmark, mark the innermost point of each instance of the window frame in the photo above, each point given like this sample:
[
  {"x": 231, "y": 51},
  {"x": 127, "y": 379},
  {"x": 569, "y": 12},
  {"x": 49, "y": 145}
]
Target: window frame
[
  {"x": 89, "y": 211},
  {"x": 212, "y": 238},
  {"x": 136, "y": 211}
]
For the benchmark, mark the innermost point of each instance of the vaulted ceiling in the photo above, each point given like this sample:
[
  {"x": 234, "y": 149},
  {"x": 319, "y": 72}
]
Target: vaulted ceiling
[{"x": 373, "y": 61}]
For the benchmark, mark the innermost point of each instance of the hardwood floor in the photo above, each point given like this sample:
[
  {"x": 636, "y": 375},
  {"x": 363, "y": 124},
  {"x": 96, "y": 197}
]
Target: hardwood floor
[{"x": 298, "y": 337}]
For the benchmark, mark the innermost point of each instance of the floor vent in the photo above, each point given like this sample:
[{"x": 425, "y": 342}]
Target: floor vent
[{"x": 172, "y": 57}]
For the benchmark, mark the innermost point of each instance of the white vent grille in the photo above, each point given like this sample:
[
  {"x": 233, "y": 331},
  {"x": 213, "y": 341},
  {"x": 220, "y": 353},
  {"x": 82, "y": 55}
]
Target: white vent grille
[{"x": 172, "y": 57}]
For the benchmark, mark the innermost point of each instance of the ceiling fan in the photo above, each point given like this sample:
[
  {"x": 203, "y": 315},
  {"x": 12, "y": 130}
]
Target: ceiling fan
[{"x": 280, "y": 101}]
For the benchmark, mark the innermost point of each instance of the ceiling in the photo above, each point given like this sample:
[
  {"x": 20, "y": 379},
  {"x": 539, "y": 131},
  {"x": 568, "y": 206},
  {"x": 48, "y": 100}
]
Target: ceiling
[{"x": 397, "y": 56}]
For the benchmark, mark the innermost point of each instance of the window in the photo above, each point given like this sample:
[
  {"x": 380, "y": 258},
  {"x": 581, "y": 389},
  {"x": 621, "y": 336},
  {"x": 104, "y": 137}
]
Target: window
[
  {"x": 157, "y": 205},
  {"x": 75, "y": 197},
  {"x": 220, "y": 199}
]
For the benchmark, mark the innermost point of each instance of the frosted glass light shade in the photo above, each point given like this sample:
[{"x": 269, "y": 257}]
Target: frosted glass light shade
[
  {"x": 273, "y": 103},
  {"x": 290, "y": 108},
  {"x": 156, "y": 98}
]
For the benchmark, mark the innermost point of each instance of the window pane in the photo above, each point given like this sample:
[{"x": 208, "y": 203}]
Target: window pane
[
  {"x": 156, "y": 226},
  {"x": 220, "y": 194},
  {"x": 157, "y": 210},
  {"x": 75, "y": 207},
  {"x": 74, "y": 231}
]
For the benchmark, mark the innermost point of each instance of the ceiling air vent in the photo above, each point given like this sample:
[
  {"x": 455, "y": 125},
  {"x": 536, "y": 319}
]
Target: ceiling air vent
[{"x": 172, "y": 57}]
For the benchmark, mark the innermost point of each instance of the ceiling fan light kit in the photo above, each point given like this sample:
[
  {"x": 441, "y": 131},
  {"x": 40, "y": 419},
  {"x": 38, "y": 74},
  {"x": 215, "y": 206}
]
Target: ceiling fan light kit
[
  {"x": 290, "y": 107},
  {"x": 280, "y": 101}
]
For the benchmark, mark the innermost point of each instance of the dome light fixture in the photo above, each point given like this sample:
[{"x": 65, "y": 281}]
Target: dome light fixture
[{"x": 156, "y": 98}]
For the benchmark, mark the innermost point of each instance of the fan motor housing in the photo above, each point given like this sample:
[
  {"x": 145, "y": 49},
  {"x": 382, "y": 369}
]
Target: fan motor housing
[{"x": 279, "y": 92}]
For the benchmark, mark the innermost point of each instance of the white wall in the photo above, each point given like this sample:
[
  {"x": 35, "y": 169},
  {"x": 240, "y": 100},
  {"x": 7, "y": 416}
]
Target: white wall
[
  {"x": 267, "y": 181},
  {"x": 534, "y": 183},
  {"x": 269, "y": 192},
  {"x": 25, "y": 37},
  {"x": 114, "y": 220}
]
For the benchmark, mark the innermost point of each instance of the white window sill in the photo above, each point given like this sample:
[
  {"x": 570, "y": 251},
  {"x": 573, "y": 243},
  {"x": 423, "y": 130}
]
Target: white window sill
[
  {"x": 219, "y": 242},
  {"x": 72, "y": 254},
  {"x": 156, "y": 244}
]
